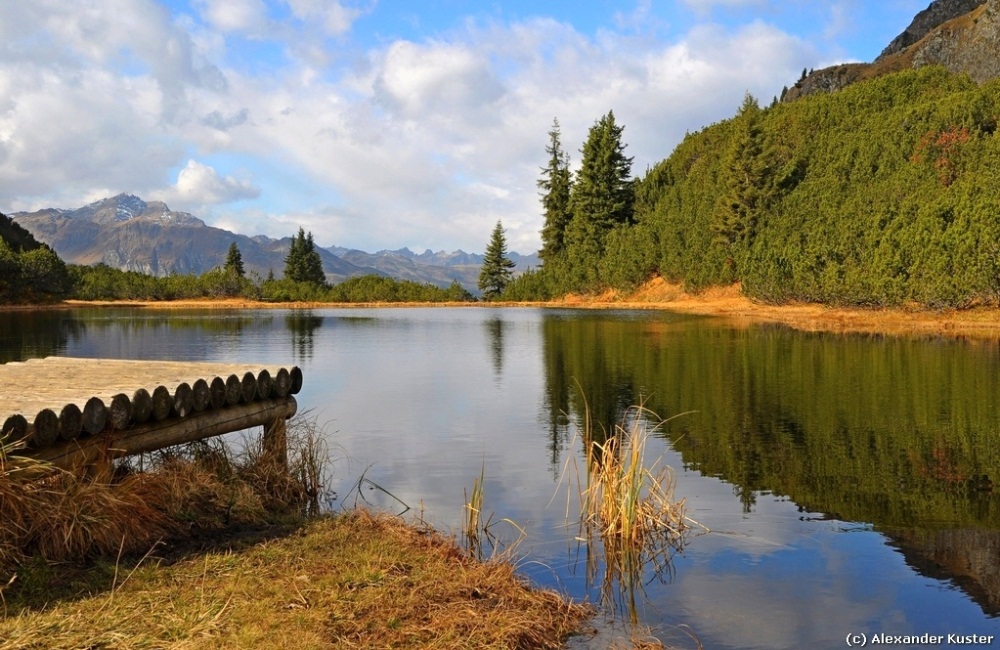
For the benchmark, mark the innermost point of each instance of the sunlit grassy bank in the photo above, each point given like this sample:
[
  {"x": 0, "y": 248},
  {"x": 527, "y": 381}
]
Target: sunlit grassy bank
[
  {"x": 350, "y": 581},
  {"x": 204, "y": 550}
]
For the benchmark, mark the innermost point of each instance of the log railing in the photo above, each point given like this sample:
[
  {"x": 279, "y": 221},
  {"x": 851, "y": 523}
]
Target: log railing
[{"x": 206, "y": 405}]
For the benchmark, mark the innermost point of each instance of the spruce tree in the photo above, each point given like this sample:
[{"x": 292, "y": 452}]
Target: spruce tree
[
  {"x": 748, "y": 192},
  {"x": 303, "y": 263},
  {"x": 602, "y": 197},
  {"x": 234, "y": 261},
  {"x": 497, "y": 268},
  {"x": 556, "y": 183}
]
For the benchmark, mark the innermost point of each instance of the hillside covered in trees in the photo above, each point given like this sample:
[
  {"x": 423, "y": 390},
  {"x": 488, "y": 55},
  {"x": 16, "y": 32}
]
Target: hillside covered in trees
[
  {"x": 29, "y": 270},
  {"x": 881, "y": 194}
]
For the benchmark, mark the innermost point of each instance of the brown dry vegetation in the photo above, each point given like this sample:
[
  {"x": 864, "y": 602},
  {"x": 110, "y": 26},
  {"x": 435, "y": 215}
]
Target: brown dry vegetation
[
  {"x": 351, "y": 581},
  {"x": 725, "y": 302},
  {"x": 209, "y": 551},
  {"x": 729, "y": 303}
]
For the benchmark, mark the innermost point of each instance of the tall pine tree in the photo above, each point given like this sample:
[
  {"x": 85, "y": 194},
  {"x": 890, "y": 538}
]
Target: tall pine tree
[
  {"x": 748, "y": 187},
  {"x": 555, "y": 184},
  {"x": 234, "y": 261},
  {"x": 303, "y": 263},
  {"x": 602, "y": 197},
  {"x": 497, "y": 268}
]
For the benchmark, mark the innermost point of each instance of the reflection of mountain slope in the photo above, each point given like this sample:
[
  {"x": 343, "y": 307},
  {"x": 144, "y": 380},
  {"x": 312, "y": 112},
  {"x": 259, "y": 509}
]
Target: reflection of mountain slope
[
  {"x": 898, "y": 433},
  {"x": 969, "y": 557}
]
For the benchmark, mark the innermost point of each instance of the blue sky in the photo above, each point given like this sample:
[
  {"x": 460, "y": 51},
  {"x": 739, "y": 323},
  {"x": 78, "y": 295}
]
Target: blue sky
[{"x": 380, "y": 123}]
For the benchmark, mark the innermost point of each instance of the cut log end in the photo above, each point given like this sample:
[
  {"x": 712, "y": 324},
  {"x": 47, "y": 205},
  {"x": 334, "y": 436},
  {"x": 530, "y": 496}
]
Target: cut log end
[
  {"x": 296, "y": 377},
  {"x": 120, "y": 411},
  {"x": 45, "y": 429},
  {"x": 95, "y": 416},
  {"x": 70, "y": 422},
  {"x": 142, "y": 405},
  {"x": 183, "y": 400},
  {"x": 265, "y": 385},
  {"x": 163, "y": 401},
  {"x": 249, "y": 386},
  {"x": 217, "y": 393},
  {"x": 15, "y": 428}
]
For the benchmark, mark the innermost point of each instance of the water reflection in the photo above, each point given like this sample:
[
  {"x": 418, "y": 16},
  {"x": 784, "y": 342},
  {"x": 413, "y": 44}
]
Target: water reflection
[
  {"x": 848, "y": 480},
  {"x": 891, "y": 431},
  {"x": 25, "y": 335},
  {"x": 494, "y": 329},
  {"x": 302, "y": 325}
]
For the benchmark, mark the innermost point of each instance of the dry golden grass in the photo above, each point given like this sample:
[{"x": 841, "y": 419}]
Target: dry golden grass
[
  {"x": 730, "y": 303},
  {"x": 351, "y": 581},
  {"x": 727, "y": 302}
]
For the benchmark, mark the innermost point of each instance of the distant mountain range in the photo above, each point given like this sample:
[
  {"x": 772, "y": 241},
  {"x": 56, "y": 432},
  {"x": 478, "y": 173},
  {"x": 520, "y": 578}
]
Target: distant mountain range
[{"x": 128, "y": 233}]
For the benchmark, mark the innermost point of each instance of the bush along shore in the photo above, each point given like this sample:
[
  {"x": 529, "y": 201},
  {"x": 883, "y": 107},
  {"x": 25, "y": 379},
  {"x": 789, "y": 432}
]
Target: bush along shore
[{"x": 199, "y": 549}]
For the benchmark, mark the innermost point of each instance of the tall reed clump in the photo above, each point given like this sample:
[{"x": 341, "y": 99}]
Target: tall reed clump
[
  {"x": 627, "y": 497},
  {"x": 627, "y": 504}
]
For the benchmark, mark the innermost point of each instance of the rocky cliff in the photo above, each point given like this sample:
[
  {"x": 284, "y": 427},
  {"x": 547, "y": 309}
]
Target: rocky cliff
[{"x": 961, "y": 35}]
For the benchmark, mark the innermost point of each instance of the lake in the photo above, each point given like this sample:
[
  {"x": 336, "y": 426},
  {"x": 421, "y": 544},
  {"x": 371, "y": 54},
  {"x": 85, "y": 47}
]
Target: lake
[{"x": 847, "y": 481}]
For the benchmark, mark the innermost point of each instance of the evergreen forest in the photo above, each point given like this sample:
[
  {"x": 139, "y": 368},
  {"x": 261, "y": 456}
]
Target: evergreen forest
[{"x": 882, "y": 194}]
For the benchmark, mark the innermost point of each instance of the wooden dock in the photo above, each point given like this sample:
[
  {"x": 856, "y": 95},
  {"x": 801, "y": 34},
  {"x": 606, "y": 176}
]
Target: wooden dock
[{"x": 71, "y": 411}]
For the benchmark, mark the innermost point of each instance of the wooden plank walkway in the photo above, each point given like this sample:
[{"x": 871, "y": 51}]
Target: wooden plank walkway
[{"x": 60, "y": 401}]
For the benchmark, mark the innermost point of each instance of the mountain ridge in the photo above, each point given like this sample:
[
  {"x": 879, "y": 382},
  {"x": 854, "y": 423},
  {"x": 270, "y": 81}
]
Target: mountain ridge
[
  {"x": 128, "y": 233},
  {"x": 963, "y": 36}
]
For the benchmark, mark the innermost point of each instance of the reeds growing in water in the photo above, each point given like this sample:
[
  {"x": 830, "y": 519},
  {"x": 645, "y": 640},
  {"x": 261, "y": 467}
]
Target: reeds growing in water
[{"x": 628, "y": 507}]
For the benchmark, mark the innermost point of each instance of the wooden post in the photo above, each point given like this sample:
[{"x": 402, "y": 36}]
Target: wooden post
[{"x": 275, "y": 443}]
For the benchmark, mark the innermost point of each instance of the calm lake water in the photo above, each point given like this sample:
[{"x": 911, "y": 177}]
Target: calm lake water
[{"x": 848, "y": 481}]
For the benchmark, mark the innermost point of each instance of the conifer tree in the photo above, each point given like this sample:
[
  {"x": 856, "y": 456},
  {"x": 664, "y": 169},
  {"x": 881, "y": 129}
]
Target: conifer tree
[
  {"x": 303, "y": 263},
  {"x": 234, "y": 261},
  {"x": 497, "y": 268},
  {"x": 747, "y": 188},
  {"x": 556, "y": 183},
  {"x": 602, "y": 196}
]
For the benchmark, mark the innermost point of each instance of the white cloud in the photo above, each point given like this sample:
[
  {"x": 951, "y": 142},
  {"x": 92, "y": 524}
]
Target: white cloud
[
  {"x": 334, "y": 17},
  {"x": 420, "y": 144},
  {"x": 201, "y": 185},
  {"x": 705, "y": 6},
  {"x": 248, "y": 16}
]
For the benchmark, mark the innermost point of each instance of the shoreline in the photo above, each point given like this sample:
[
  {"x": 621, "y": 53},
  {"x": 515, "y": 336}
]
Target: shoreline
[{"x": 658, "y": 294}]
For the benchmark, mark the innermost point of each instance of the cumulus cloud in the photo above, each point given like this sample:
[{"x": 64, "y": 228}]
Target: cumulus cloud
[
  {"x": 406, "y": 143},
  {"x": 334, "y": 17},
  {"x": 249, "y": 16},
  {"x": 201, "y": 185}
]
